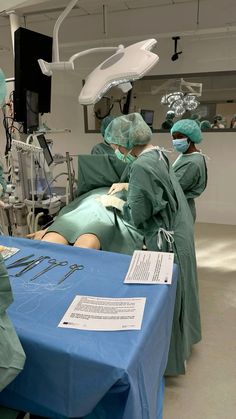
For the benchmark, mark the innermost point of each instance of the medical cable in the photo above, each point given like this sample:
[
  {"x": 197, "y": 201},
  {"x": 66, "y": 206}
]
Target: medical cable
[{"x": 53, "y": 180}]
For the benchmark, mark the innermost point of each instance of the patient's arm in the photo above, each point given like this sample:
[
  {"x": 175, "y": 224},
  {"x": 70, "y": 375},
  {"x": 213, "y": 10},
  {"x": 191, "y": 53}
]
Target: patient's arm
[{"x": 37, "y": 235}]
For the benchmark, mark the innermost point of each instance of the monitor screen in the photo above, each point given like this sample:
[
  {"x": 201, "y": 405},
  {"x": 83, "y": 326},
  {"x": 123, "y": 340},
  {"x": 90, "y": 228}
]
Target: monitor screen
[
  {"x": 32, "y": 111},
  {"x": 46, "y": 151},
  {"x": 29, "y": 47},
  {"x": 147, "y": 116}
]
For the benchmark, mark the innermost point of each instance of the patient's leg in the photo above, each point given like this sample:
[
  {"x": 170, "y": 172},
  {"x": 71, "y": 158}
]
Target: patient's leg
[
  {"x": 53, "y": 237},
  {"x": 89, "y": 241}
]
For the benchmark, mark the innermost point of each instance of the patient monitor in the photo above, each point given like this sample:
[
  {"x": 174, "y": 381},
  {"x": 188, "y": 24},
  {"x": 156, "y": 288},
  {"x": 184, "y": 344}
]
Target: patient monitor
[{"x": 31, "y": 195}]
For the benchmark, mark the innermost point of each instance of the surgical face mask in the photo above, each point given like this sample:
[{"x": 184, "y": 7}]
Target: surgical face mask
[
  {"x": 181, "y": 145},
  {"x": 119, "y": 155},
  {"x": 128, "y": 158}
]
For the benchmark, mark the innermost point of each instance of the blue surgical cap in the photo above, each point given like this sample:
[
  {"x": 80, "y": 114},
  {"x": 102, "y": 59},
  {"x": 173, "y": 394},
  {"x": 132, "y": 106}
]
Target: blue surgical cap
[
  {"x": 105, "y": 122},
  {"x": 128, "y": 131},
  {"x": 189, "y": 128}
]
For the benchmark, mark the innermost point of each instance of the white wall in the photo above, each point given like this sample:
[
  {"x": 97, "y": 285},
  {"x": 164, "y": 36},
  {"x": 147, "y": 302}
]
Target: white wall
[
  {"x": 201, "y": 53},
  {"x": 218, "y": 202}
]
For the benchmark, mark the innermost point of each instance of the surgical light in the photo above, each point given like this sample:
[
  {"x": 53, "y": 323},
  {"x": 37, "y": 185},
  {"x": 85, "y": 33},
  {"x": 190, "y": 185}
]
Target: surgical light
[
  {"x": 185, "y": 99},
  {"x": 179, "y": 110},
  {"x": 125, "y": 65},
  {"x": 192, "y": 105}
]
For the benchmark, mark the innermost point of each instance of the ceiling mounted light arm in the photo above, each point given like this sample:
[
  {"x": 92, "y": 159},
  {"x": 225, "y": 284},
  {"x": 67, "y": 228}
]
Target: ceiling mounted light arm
[
  {"x": 176, "y": 54},
  {"x": 55, "y": 52},
  {"x": 194, "y": 88},
  {"x": 48, "y": 68},
  {"x": 94, "y": 50},
  {"x": 125, "y": 65}
]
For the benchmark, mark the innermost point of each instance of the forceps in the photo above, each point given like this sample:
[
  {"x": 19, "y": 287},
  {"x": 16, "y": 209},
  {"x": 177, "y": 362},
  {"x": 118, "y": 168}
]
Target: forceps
[
  {"x": 73, "y": 268},
  {"x": 53, "y": 263},
  {"x": 20, "y": 262},
  {"x": 31, "y": 264}
]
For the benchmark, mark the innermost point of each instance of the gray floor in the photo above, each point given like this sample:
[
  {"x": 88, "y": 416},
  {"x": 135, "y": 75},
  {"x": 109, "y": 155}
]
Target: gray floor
[{"x": 207, "y": 391}]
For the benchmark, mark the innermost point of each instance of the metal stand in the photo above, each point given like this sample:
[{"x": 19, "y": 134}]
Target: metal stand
[{"x": 69, "y": 176}]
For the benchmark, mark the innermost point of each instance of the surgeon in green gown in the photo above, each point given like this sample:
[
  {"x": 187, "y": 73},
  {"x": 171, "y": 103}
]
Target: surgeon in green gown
[
  {"x": 104, "y": 148},
  {"x": 157, "y": 207},
  {"x": 12, "y": 357},
  {"x": 190, "y": 167}
]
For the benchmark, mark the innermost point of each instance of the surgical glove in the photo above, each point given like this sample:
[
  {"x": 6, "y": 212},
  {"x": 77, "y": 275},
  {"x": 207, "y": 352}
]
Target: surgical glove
[
  {"x": 111, "y": 201},
  {"x": 118, "y": 187}
]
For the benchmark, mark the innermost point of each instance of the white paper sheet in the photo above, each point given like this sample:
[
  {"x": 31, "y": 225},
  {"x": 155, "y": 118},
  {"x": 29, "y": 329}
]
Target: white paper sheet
[
  {"x": 7, "y": 252},
  {"x": 150, "y": 268},
  {"x": 98, "y": 313}
]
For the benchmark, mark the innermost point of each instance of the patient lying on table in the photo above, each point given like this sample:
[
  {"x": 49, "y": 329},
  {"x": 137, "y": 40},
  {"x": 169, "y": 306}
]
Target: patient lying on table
[{"x": 85, "y": 222}]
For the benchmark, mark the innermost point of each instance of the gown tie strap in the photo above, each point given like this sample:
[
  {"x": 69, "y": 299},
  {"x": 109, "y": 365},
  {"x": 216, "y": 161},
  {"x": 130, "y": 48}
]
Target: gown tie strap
[{"x": 166, "y": 235}]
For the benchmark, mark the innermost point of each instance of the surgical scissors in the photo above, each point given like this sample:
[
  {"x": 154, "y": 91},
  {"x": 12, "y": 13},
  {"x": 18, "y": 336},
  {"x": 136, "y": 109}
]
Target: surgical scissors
[
  {"x": 73, "y": 268},
  {"x": 32, "y": 264},
  {"x": 53, "y": 263}
]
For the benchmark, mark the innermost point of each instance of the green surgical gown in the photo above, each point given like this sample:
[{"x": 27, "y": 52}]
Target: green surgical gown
[
  {"x": 102, "y": 148},
  {"x": 155, "y": 200},
  {"x": 191, "y": 171},
  {"x": 12, "y": 356}
]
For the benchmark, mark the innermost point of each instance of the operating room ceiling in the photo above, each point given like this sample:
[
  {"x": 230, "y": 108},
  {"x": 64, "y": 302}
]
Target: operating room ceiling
[{"x": 187, "y": 14}]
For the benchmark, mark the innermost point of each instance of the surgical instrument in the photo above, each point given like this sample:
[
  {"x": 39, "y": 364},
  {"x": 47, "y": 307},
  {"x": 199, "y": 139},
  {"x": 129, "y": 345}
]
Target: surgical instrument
[
  {"x": 32, "y": 264},
  {"x": 53, "y": 263},
  {"x": 73, "y": 268},
  {"x": 20, "y": 262}
]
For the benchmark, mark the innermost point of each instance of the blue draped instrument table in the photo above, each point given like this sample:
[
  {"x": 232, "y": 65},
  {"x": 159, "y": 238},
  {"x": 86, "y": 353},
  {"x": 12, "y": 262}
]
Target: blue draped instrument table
[{"x": 73, "y": 373}]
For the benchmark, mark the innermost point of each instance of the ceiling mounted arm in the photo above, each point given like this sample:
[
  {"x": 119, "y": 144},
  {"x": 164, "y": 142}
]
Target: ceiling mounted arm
[
  {"x": 94, "y": 50},
  {"x": 176, "y": 54},
  {"x": 48, "y": 68},
  {"x": 193, "y": 88},
  {"x": 55, "y": 50},
  {"x": 125, "y": 65}
]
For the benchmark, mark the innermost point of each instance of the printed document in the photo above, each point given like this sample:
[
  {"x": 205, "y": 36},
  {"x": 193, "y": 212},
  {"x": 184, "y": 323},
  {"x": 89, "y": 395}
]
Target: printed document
[
  {"x": 150, "y": 268},
  {"x": 104, "y": 314},
  {"x": 7, "y": 252}
]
